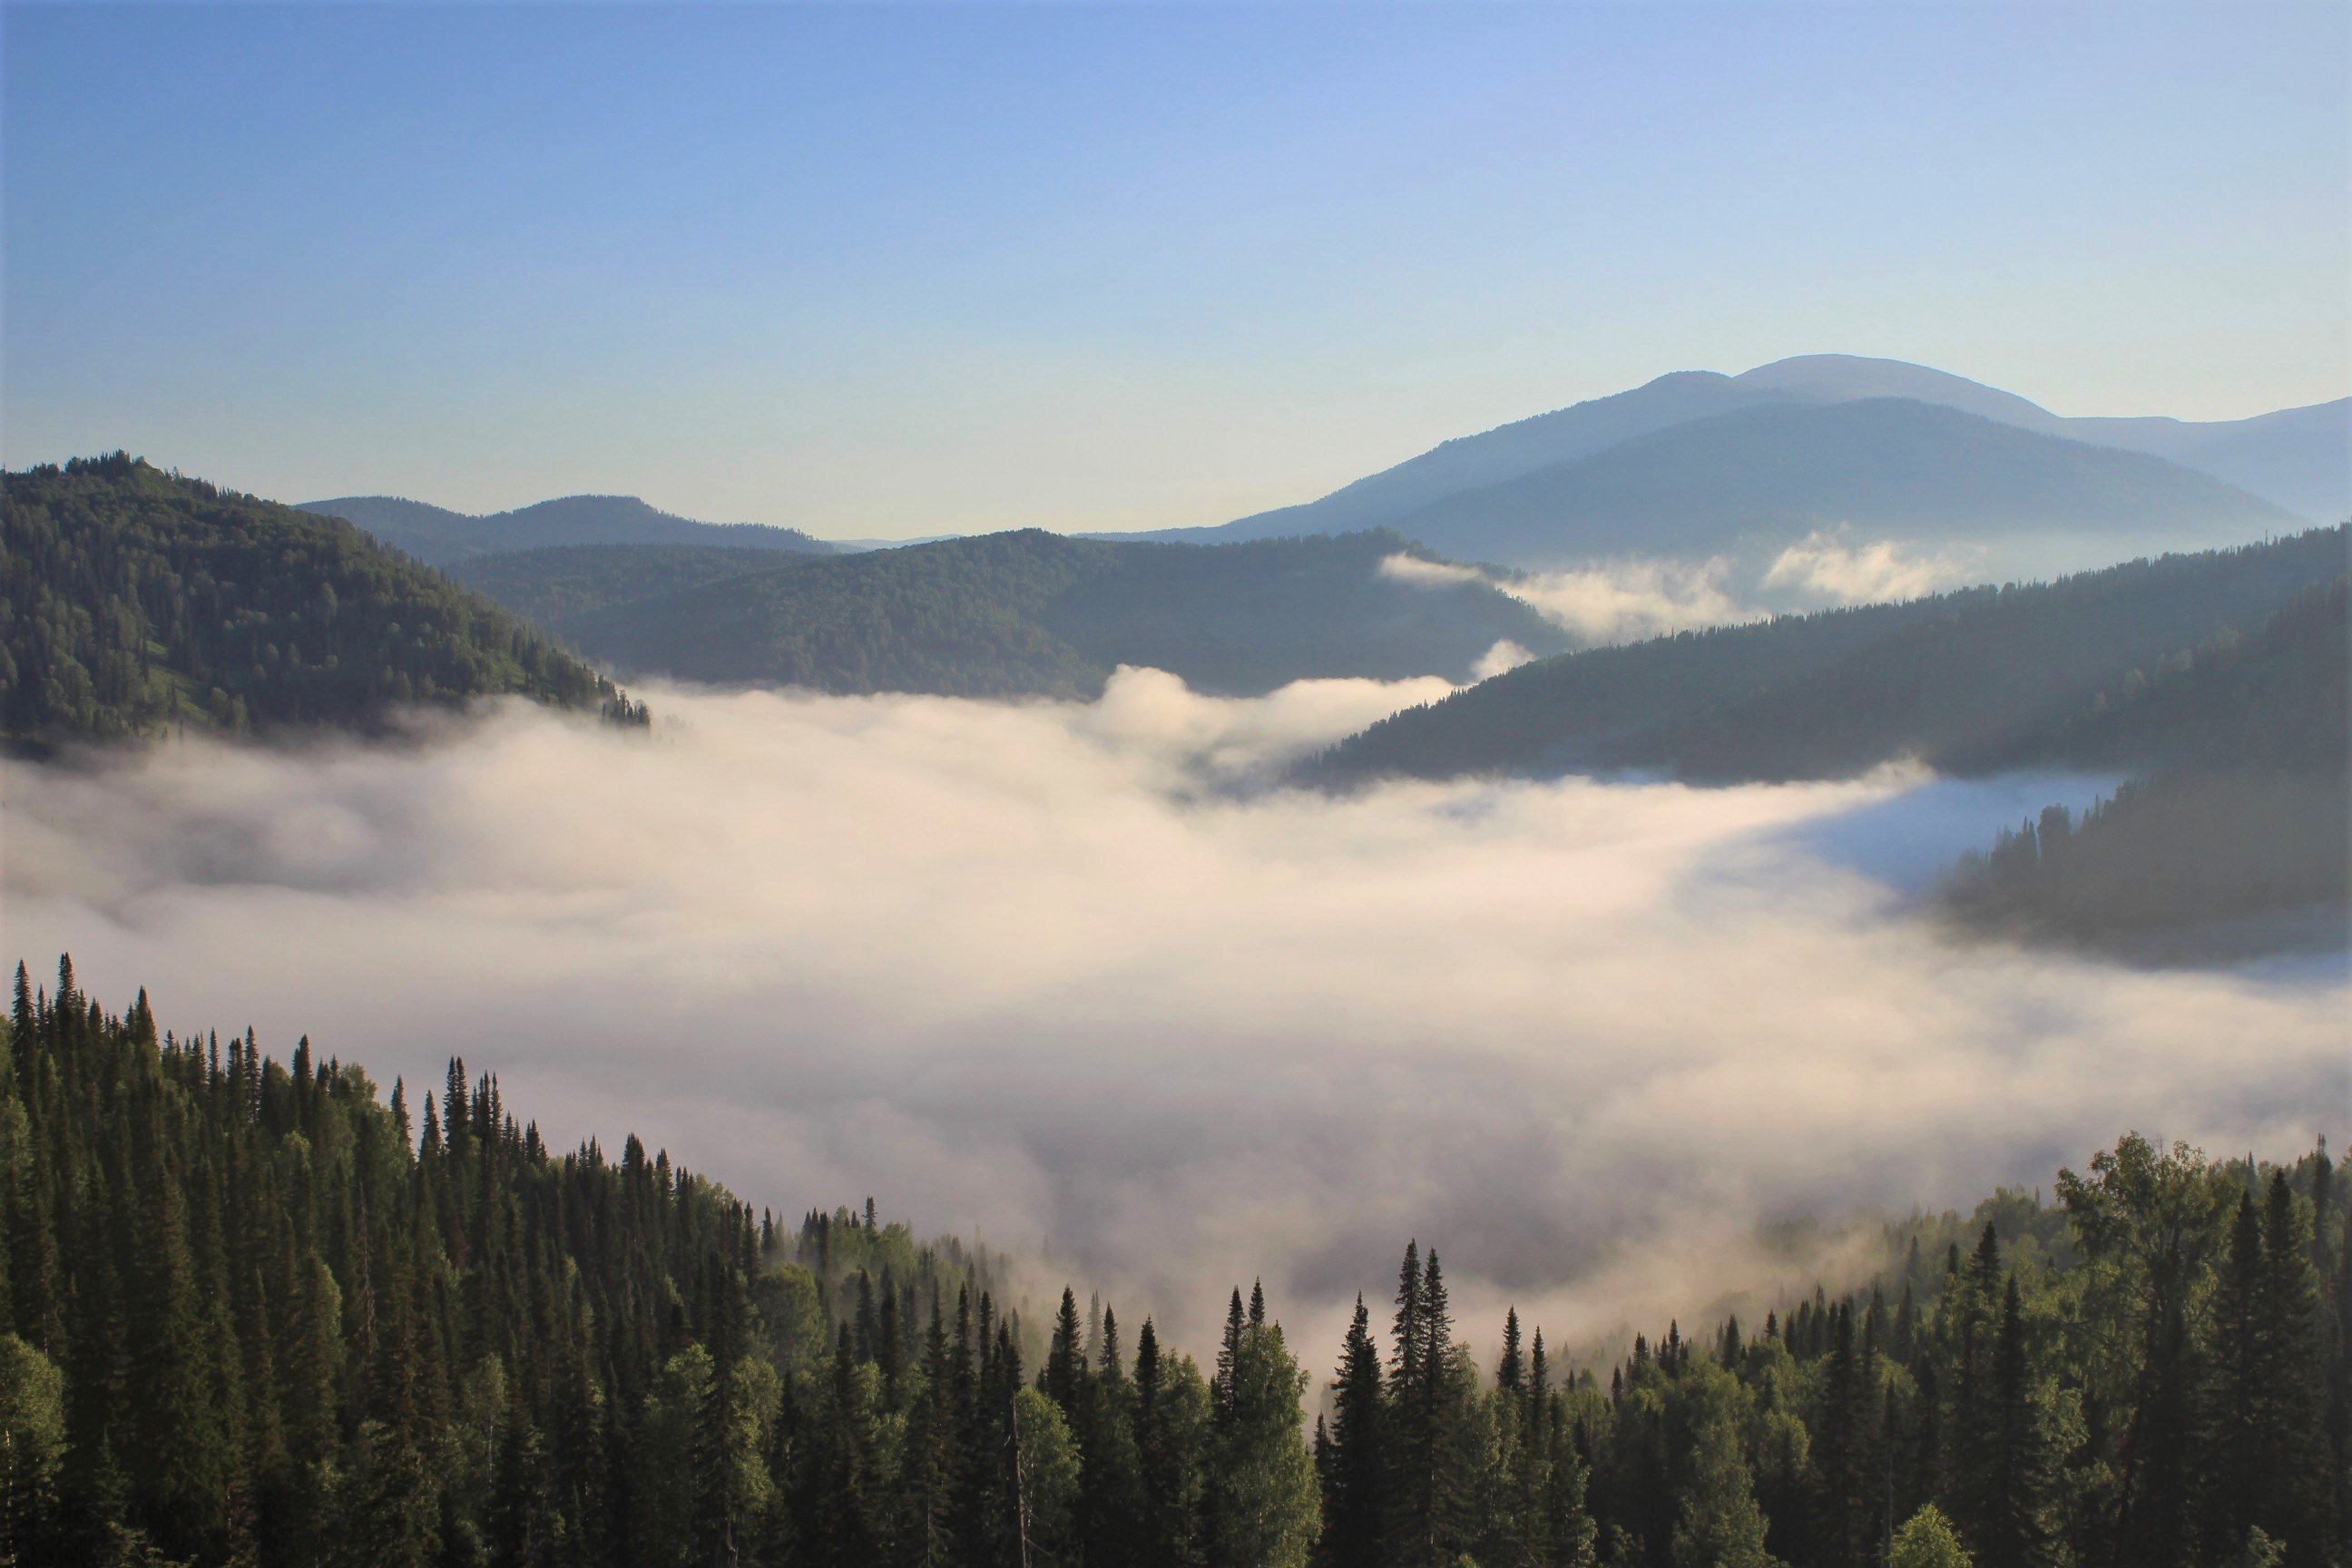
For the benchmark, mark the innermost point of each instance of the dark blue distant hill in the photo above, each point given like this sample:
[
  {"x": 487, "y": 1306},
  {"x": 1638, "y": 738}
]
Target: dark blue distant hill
[
  {"x": 438, "y": 536},
  {"x": 1698, "y": 457}
]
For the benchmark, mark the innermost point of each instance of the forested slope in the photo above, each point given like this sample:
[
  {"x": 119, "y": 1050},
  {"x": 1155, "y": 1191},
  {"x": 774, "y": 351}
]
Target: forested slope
[
  {"x": 250, "y": 1313},
  {"x": 1957, "y": 679},
  {"x": 554, "y": 587},
  {"x": 131, "y": 600},
  {"x": 1031, "y": 612},
  {"x": 2240, "y": 838}
]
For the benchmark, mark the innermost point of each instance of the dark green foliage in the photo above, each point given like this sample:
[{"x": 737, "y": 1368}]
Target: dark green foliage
[
  {"x": 552, "y": 587},
  {"x": 267, "y": 1328},
  {"x": 1980, "y": 678},
  {"x": 131, "y": 600},
  {"x": 1024, "y": 613},
  {"x": 1356, "y": 1472}
]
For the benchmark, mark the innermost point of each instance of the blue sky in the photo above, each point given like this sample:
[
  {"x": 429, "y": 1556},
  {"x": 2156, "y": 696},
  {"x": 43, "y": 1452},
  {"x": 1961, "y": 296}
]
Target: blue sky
[{"x": 900, "y": 270}]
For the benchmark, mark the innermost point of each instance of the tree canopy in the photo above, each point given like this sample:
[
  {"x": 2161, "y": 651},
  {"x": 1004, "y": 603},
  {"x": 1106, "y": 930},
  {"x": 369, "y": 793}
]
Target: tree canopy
[
  {"x": 133, "y": 600},
  {"x": 253, "y": 1312}
]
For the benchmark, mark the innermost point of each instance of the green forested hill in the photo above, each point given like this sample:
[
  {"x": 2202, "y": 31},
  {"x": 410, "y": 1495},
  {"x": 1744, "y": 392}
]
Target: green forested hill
[
  {"x": 2274, "y": 696},
  {"x": 554, "y": 587},
  {"x": 961, "y": 617},
  {"x": 251, "y": 1314},
  {"x": 1026, "y": 613},
  {"x": 1953, "y": 678},
  {"x": 131, "y": 599},
  {"x": 2240, "y": 840}
]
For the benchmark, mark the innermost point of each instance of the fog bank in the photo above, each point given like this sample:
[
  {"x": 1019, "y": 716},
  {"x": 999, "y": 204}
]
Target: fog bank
[{"x": 1043, "y": 972}]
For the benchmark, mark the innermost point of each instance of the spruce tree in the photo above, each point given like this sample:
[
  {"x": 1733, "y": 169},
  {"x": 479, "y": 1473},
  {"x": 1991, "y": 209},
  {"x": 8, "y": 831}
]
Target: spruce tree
[{"x": 1356, "y": 1495}]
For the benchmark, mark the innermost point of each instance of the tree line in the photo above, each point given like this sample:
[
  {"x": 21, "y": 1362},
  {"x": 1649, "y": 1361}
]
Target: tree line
[{"x": 255, "y": 1312}]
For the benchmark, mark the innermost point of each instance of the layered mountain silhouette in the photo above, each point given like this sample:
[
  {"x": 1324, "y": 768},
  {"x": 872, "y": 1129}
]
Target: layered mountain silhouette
[
  {"x": 439, "y": 536},
  {"x": 1886, "y": 466},
  {"x": 1697, "y": 460}
]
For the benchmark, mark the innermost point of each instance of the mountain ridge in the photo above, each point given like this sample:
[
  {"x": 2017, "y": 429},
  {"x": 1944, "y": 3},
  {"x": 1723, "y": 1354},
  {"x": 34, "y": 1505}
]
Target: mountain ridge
[
  {"x": 1029, "y": 613},
  {"x": 1882, "y": 466},
  {"x": 439, "y": 536},
  {"x": 2298, "y": 459}
]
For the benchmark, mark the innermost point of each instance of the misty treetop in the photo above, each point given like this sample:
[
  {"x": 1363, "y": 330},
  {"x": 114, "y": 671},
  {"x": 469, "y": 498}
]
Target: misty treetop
[
  {"x": 251, "y": 1313},
  {"x": 131, "y": 600}
]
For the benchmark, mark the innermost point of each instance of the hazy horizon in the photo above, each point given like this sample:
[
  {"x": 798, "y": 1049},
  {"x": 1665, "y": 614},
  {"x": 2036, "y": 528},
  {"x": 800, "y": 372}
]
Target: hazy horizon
[{"x": 881, "y": 273}]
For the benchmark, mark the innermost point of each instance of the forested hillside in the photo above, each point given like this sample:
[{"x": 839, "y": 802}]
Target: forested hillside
[
  {"x": 131, "y": 600},
  {"x": 1031, "y": 612},
  {"x": 554, "y": 586},
  {"x": 2272, "y": 696},
  {"x": 253, "y": 1314},
  {"x": 2250, "y": 819},
  {"x": 1958, "y": 679},
  {"x": 441, "y": 537}
]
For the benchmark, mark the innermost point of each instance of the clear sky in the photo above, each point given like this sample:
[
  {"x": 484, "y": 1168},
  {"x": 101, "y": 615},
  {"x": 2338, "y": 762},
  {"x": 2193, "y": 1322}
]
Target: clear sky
[{"x": 896, "y": 270}]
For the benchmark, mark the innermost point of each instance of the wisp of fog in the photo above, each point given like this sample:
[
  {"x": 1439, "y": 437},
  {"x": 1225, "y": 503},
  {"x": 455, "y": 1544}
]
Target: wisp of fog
[
  {"x": 1627, "y": 599},
  {"x": 1071, "y": 976}
]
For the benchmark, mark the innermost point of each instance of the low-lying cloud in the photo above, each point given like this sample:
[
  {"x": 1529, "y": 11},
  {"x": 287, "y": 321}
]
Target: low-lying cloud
[
  {"x": 1632, "y": 598},
  {"x": 1040, "y": 971},
  {"x": 1612, "y": 602},
  {"x": 1827, "y": 563}
]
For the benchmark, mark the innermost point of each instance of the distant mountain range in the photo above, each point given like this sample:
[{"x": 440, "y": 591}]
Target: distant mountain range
[
  {"x": 1021, "y": 614},
  {"x": 1918, "y": 473},
  {"x": 1695, "y": 460},
  {"x": 437, "y": 536},
  {"x": 1696, "y": 464}
]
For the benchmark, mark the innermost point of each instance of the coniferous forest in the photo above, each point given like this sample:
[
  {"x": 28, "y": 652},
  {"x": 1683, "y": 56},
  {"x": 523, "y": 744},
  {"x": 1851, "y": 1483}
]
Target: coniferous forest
[
  {"x": 133, "y": 600},
  {"x": 2249, "y": 821},
  {"x": 255, "y": 1313}
]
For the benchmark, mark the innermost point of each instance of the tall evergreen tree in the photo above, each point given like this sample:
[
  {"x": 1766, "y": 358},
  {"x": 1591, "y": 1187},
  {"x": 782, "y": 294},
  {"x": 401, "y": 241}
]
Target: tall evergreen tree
[{"x": 1356, "y": 1489}]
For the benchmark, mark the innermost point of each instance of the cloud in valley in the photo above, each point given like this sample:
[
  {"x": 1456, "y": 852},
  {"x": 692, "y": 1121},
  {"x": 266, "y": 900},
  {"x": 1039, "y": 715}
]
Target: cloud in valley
[
  {"x": 1066, "y": 975},
  {"x": 1826, "y": 564},
  {"x": 1612, "y": 602},
  {"x": 1629, "y": 599}
]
